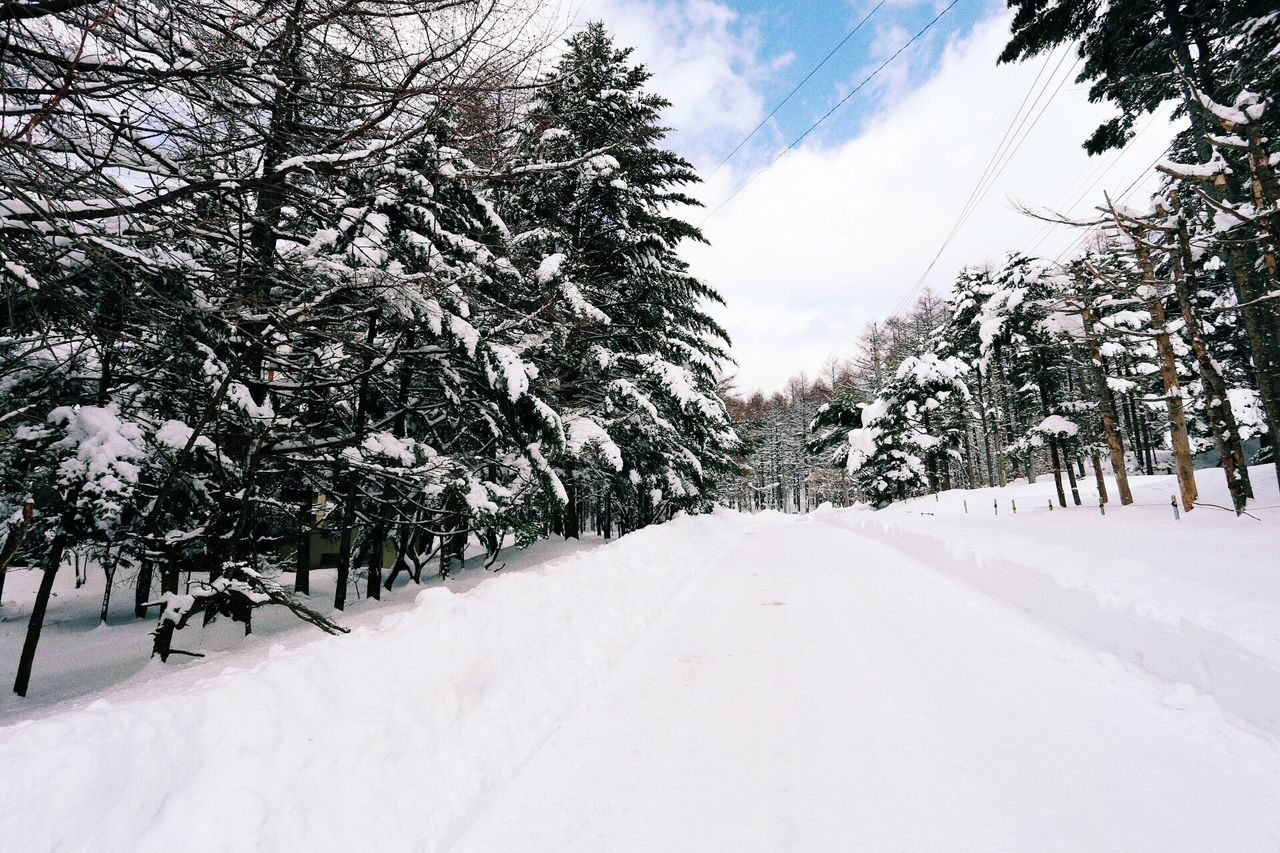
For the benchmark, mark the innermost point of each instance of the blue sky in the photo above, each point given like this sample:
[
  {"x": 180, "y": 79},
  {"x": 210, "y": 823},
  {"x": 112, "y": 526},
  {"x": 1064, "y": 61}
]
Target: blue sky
[
  {"x": 841, "y": 231},
  {"x": 807, "y": 32}
]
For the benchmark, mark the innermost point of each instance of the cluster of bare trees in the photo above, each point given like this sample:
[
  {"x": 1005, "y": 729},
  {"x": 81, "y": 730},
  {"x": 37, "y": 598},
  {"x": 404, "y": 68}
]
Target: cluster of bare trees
[{"x": 779, "y": 472}]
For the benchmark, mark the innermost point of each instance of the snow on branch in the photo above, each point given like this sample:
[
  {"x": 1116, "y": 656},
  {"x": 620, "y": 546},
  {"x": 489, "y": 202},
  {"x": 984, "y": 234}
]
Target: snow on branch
[{"x": 236, "y": 594}]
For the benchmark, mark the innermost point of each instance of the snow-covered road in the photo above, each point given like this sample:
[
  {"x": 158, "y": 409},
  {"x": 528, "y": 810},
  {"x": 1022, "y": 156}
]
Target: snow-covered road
[
  {"x": 720, "y": 683},
  {"x": 812, "y": 689}
]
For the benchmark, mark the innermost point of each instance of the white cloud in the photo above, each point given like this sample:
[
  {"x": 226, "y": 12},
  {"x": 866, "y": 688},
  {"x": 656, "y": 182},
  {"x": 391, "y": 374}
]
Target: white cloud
[
  {"x": 836, "y": 233},
  {"x": 833, "y": 237},
  {"x": 705, "y": 59}
]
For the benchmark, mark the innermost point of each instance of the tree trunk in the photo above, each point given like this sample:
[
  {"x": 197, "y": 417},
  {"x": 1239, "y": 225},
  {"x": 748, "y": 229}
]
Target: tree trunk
[
  {"x": 1222, "y": 421},
  {"x": 986, "y": 432},
  {"x": 1057, "y": 471},
  {"x": 344, "y": 542},
  {"x": 404, "y": 541},
  {"x": 1264, "y": 351},
  {"x": 1266, "y": 197},
  {"x": 572, "y": 526},
  {"x": 970, "y": 467},
  {"x": 1107, "y": 408},
  {"x": 53, "y": 560},
  {"x": 302, "y": 560},
  {"x": 352, "y": 490},
  {"x": 1057, "y": 455},
  {"x": 109, "y": 564},
  {"x": 608, "y": 515},
  {"x": 997, "y": 428},
  {"x": 375, "y": 561},
  {"x": 1098, "y": 478},
  {"x": 142, "y": 588},
  {"x": 1182, "y": 462},
  {"x": 1071, "y": 479}
]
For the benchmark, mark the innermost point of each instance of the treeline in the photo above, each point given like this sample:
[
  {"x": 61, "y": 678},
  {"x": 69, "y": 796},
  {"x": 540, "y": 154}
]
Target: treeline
[
  {"x": 354, "y": 276},
  {"x": 1157, "y": 340},
  {"x": 783, "y": 468}
]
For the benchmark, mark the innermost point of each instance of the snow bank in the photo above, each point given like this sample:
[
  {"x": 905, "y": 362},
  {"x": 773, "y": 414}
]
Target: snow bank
[
  {"x": 1194, "y": 601},
  {"x": 395, "y": 734}
]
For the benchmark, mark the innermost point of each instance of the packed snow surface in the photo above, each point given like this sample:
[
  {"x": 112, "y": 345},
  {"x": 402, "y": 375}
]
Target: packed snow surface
[{"x": 920, "y": 679}]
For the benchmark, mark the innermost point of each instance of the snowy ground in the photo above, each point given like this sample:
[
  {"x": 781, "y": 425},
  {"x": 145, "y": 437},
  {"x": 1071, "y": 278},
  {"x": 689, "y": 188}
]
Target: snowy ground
[
  {"x": 1194, "y": 600},
  {"x": 78, "y": 658},
  {"x": 847, "y": 680}
]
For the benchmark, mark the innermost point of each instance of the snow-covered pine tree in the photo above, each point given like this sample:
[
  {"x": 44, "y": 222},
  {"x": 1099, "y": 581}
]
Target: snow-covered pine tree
[
  {"x": 1216, "y": 63},
  {"x": 632, "y": 359}
]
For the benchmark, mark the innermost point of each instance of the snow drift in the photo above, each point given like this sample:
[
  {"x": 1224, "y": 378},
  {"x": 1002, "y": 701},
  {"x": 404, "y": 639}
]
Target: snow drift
[
  {"x": 394, "y": 734},
  {"x": 1194, "y": 601}
]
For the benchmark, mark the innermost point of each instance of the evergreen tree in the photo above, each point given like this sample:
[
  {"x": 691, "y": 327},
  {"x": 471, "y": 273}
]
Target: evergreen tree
[{"x": 631, "y": 362}]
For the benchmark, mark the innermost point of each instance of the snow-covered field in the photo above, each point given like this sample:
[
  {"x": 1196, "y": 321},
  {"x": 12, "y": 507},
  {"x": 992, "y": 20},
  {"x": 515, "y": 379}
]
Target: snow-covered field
[
  {"x": 914, "y": 679},
  {"x": 1194, "y": 600}
]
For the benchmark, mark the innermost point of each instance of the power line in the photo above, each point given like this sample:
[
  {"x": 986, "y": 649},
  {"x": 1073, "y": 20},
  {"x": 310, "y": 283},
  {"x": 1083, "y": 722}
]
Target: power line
[
  {"x": 1125, "y": 194},
  {"x": 1047, "y": 229},
  {"x": 1021, "y": 140},
  {"x": 989, "y": 177},
  {"x": 1009, "y": 145},
  {"x": 1010, "y": 133},
  {"x": 829, "y": 112},
  {"x": 1090, "y": 172},
  {"x": 797, "y": 88}
]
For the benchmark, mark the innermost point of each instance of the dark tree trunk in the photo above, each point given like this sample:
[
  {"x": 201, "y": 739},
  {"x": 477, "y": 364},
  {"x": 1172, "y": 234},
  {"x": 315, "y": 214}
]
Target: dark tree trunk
[
  {"x": 142, "y": 588},
  {"x": 1097, "y": 476},
  {"x": 608, "y": 515},
  {"x": 1264, "y": 351},
  {"x": 27, "y": 659},
  {"x": 1071, "y": 479},
  {"x": 1110, "y": 425},
  {"x": 571, "y": 523},
  {"x": 344, "y": 543},
  {"x": 404, "y": 542},
  {"x": 375, "y": 561},
  {"x": 1055, "y": 458},
  {"x": 169, "y": 573},
  {"x": 302, "y": 560},
  {"x": 109, "y": 564},
  {"x": 352, "y": 490}
]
